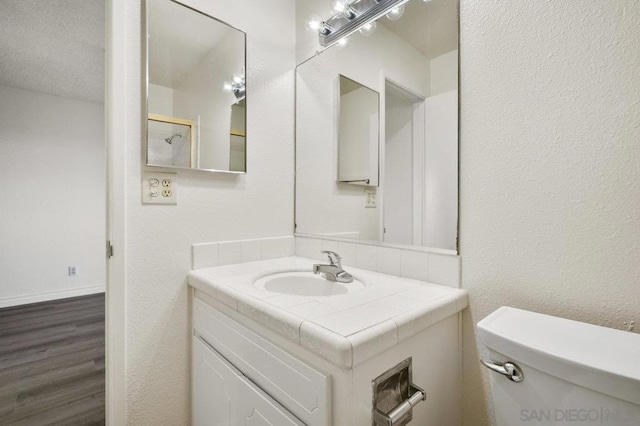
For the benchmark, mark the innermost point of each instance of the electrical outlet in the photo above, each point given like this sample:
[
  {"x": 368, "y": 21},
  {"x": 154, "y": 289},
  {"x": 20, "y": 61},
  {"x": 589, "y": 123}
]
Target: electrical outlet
[
  {"x": 73, "y": 271},
  {"x": 159, "y": 188},
  {"x": 370, "y": 198}
]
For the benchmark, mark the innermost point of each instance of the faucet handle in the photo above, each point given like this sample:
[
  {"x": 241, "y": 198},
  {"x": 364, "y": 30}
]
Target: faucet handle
[{"x": 334, "y": 258}]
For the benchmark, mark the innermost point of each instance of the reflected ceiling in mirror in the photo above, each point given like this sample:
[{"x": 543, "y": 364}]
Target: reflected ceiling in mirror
[
  {"x": 196, "y": 97},
  {"x": 412, "y": 62}
]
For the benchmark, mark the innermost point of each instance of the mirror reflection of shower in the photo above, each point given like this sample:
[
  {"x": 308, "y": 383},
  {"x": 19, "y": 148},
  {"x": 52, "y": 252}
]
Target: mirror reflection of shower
[{"x": 169, "y": 140}]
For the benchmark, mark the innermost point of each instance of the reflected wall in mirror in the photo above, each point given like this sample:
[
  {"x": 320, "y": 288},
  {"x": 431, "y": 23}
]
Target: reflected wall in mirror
[
  {"x": 412, "y": 62},
  {"x": 358, "y": 133},
  {"x": 196, "y": 90}
]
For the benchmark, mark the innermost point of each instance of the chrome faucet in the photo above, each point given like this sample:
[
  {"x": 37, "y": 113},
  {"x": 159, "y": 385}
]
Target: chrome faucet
[{"x": 333, "y": 271}]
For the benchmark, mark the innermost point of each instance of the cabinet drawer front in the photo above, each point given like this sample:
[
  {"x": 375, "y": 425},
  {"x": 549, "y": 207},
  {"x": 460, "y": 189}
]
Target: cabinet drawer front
[
  {"x": 224, "y": 397},
  {"x": 300, "y": 388}
]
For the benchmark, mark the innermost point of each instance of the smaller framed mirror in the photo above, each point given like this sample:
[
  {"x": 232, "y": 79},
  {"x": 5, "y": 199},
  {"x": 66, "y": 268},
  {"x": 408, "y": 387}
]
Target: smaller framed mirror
[
  {"x": 358, "y": 133},
  {"x": 196, "y": 98}
]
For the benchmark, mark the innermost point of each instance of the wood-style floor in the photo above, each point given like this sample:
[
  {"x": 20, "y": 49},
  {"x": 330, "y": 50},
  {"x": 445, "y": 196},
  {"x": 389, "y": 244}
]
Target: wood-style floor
[{"x": 52, "y": 363}]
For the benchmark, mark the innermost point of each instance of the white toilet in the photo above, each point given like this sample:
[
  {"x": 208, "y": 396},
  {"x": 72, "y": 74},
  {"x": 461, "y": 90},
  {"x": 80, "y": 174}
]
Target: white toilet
[{"x": 553, "y": 371}]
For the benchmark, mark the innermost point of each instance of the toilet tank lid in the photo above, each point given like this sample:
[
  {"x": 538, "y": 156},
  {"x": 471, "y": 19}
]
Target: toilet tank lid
[{"x": 599, "y": 358}]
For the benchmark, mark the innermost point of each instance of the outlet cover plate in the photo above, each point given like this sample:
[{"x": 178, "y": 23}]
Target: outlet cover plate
[
  {"x": 159, "y": 188},
  {"x": 370, "y": 198}
]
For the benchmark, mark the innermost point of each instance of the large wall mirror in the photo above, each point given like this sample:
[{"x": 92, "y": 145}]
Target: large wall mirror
[
  {"x": 382, "y": 165},
  {"x": 196, "y": 90}
]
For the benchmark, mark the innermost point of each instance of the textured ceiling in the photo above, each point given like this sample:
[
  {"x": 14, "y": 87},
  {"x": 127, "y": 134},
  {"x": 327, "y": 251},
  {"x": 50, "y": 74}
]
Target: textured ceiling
[
  {"x": 431, "y": 27},
  {"x": 53, "y": 46}
]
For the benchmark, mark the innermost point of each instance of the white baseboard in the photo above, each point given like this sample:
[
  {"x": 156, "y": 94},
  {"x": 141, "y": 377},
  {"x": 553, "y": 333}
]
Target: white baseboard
[{"x": 44, "y": 297}]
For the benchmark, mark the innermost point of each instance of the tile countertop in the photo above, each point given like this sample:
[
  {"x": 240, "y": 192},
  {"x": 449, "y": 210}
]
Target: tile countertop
[{"x": 345, "y": 329}]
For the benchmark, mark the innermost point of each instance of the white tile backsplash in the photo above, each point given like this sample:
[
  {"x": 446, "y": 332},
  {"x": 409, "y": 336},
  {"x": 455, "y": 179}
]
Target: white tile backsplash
[
  {"x": 388, "y": 260},
  {"x": 308, "y": 247},
  {"x": 229, "y": 252},
  {"x": 251, "y": 250},
  {"x": 273, "y": 248},
  {"x": 348, "y": 253},
  {"x": 414, "y": 265},
  {"x": 204, "y": 255},
  {"x": 437, "y": 266},
  {"x": 208, "y": 255},
  {"x": 366, "y": 257},
  {"x": 423, "y": 265},
  {"x": 330, "y": 246}
]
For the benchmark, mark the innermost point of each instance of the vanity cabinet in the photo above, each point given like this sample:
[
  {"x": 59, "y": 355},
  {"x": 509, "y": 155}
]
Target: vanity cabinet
[
  {"x": 236, "y": 370},
  {"x": 244, "y": 373}
]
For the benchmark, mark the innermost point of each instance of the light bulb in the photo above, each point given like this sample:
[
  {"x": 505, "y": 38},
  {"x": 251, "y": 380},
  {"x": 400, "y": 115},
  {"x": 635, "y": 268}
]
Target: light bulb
[
  {"x": 343, "y": 42},
  {"x": 368, "y": 28},
  {"x": 227, "y": 87},
  {"x": 396, "y": 13},
  {"x": 338, "y": 6},
  {"x": 237, "y": 78},
  {"x": 314, "y": 23}
]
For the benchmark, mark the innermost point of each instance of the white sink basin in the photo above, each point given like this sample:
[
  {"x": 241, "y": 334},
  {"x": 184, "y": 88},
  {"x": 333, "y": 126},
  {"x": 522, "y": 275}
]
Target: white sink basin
[{"x": 304, "y": 284}]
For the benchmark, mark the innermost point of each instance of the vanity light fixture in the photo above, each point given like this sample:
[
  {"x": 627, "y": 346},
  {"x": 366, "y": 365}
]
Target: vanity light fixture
[
  {"x": 237, "y": 86},
  {"x": 350, "y": 16},
  {"x": 395, "y": 13},
  {"x": 368, "y": 28},
  {"x": 343, "y": 42},
  {"x": 338, "y": 5}
]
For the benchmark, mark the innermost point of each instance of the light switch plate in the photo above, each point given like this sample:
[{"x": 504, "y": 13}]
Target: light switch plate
[
  {"x": 370, "y": 198},
  {"x": 159, "y": 188}
]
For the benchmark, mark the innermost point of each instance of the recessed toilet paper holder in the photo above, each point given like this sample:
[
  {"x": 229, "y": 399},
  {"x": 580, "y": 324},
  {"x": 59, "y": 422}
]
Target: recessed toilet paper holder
[{"x": 395, "y": 395}]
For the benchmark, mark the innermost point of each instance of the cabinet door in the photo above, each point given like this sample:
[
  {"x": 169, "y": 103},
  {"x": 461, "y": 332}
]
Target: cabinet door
[
  {"x": 215, "y": 383},
  {"x": 255, "y": 408}
]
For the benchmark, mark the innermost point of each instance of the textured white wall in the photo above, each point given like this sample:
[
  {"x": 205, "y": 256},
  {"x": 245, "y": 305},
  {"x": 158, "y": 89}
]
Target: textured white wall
[
  {"x": 52, "y": 208},
  {"x": 210, "y": 207},
  {"x": 550, "y": 166}
]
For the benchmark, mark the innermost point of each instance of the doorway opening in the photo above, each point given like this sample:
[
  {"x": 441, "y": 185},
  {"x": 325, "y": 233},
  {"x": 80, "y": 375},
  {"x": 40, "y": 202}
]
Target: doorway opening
[
  {"x": 53, "y": 268},
  {"x": 403, "y": 182}
]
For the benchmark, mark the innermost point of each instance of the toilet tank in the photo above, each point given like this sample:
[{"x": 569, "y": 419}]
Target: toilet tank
[{"x": 574, "y": 373}]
